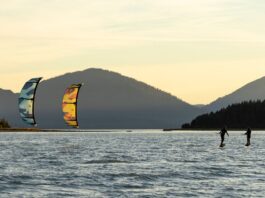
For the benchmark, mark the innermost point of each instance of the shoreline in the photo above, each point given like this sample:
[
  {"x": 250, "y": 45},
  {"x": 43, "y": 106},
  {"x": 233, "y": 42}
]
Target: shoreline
[
  {"x": 28, "y": 130},
  {"x": 107, "y": 130},
  {"x": 20, "y": 130}
]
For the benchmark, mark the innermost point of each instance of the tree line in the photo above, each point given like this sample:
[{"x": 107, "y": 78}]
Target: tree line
[
  {"x": 236, "y": 116},
  {"x": 4, "y": 124}
]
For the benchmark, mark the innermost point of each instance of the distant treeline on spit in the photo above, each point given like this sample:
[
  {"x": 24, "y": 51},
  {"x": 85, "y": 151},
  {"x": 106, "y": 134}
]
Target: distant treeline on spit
[
  {"x": 236, "y": 116},
  {"x": 4, "y": 124}
]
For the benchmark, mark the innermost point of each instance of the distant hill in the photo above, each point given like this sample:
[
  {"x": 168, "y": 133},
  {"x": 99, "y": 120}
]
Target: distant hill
[
  {"x": 111, "y": 100},
  {"x": 107, "y": 100},
  {"x": 236, "y": 116},
  {"x": 252, "y": 91}
]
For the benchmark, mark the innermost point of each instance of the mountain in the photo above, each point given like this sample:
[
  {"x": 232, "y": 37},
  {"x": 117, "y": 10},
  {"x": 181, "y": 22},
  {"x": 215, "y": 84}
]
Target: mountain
[
  {"x": 252, "y": 91},
  {"x": 111, "y": 100},
  {"x": 106, "y": 100},
  {"x": 236, "y": 116},
  {"x": 199, "y": 105}
]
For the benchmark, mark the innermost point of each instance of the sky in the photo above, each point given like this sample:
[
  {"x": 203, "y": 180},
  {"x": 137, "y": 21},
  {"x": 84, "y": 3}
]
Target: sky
[{"x": 197, "y": 50}]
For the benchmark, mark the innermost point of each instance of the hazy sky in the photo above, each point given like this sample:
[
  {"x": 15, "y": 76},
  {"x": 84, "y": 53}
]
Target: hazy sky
[{"x": 197, "y": 50}]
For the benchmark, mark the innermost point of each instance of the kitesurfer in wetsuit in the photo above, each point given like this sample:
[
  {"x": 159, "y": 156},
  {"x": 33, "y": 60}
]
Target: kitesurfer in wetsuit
[
  {"x": 248, "y": 134},
  {"x": 222, "y": 134}
]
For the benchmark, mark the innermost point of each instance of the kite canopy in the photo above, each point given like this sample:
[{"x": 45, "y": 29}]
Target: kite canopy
[
  {"x": 69, "y": 105},
  {"x": 26, "y": 101}
]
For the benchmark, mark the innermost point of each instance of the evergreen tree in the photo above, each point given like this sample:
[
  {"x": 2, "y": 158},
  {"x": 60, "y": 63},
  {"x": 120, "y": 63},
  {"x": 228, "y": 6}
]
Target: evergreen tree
[{"x": 4, "y": 124}]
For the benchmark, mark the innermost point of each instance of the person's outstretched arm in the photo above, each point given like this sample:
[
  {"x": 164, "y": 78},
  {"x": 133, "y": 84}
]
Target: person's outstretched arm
[{"x": 227, "y": 133}]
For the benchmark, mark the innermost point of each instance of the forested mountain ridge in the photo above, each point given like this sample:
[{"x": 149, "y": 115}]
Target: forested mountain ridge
[
  {"x": 254, "y": 90},
  {"x": 236, "y": 116}
]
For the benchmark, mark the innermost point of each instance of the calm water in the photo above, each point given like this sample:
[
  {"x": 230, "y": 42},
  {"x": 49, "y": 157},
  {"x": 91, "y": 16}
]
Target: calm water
[{"x": 147, "y": 164}]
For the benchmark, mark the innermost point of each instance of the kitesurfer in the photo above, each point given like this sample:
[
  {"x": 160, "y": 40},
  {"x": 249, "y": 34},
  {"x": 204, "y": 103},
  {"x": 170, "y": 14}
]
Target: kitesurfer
[
  {"x": 248, "y": 134},
  {"x": 222, "y": 134}
]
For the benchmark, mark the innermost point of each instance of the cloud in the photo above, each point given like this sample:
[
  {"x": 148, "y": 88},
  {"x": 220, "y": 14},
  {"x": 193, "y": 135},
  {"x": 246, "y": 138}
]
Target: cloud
[
  {"x": 132, "y": 20},
  {"x": 52, "y": 35}
]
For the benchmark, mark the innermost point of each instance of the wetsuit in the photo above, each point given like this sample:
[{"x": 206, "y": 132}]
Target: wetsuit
[
  {"x": 248, "y": 134},
  {"x": 222, "y": 134}
]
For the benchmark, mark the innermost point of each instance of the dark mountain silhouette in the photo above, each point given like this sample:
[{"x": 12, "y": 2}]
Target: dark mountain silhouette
[
  {"x": 252, "y": 91},
  {"x": 110, "y": 100},
  {"x": 199, "y": 105},
  {"x": 107, "y": 100},
  {"x": 236, "y": 116}
]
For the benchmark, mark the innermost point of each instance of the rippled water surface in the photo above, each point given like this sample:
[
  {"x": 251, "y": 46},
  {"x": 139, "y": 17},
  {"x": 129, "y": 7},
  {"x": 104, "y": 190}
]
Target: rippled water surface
[{"x": 137, "y": 164}]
